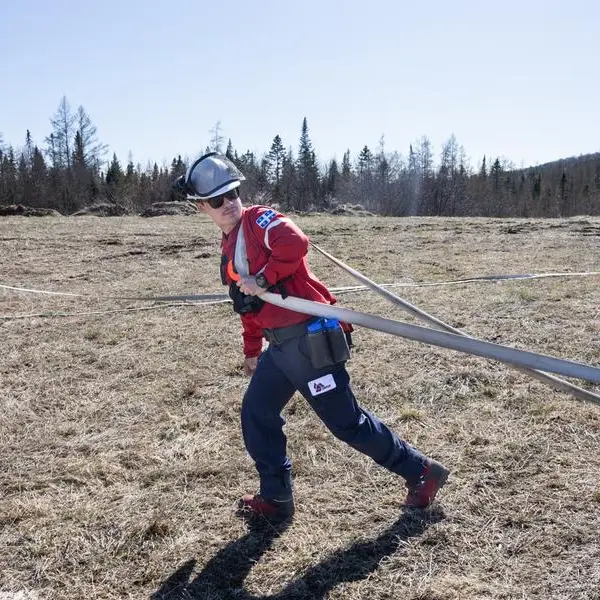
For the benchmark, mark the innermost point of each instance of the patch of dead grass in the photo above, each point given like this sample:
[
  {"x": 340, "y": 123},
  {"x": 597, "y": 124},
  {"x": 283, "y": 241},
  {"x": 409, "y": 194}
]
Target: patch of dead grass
[{"x": 121, "y": 456}]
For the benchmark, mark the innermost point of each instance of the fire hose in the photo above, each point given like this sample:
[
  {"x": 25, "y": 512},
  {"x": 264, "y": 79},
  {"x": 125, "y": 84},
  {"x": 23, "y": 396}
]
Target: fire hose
[
  {"x": 453, "y": 340},
  {"x": 557, "y": 383}
]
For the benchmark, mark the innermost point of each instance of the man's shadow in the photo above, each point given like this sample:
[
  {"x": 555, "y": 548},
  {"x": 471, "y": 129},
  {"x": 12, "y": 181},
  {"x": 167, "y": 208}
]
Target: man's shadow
[{"x": 222, "y": 578}]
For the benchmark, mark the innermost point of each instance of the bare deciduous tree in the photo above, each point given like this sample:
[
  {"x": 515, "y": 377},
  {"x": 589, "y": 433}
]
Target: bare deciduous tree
[{"x": 63, "y": 135}]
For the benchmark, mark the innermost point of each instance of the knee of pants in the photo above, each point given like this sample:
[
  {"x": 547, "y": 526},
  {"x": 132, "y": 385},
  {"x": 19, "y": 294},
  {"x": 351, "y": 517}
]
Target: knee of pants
[
  {"x": 354, "y": 433},
  {"x": 259, "y": 411},
  {"x": 251, "y": 407}
]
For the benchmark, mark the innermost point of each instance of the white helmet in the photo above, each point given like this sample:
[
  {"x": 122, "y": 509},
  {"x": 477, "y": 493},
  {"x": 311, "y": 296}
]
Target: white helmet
[{"x": 211, "y": 175}]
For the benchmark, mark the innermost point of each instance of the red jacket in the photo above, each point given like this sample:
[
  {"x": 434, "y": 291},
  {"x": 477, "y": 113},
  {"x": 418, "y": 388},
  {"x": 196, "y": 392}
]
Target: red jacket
[{"x": 274, "y": 242}]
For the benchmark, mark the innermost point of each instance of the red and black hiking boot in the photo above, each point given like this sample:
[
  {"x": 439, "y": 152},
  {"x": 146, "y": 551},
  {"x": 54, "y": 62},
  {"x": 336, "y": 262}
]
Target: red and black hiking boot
[
  {"x": 255, "y": 506},
  {"x": 422, "y": 493}
]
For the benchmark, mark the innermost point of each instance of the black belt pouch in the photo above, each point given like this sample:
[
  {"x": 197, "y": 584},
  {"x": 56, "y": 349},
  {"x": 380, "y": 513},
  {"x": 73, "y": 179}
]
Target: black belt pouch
[{"x": 327, "y": 344}]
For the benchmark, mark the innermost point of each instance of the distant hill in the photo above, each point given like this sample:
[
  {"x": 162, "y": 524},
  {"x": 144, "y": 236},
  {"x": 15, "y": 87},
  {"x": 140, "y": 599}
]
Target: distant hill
[
  {"x": 564, "y": 187},
  {"x": 570, "y": 161}
]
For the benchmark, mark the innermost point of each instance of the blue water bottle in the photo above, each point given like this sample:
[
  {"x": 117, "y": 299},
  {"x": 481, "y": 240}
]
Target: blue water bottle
[{"x": 339, "y": 350}]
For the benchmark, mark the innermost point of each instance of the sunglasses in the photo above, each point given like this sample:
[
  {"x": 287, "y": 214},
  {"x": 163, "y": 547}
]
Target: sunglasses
[{"x": 218, "y": 201}]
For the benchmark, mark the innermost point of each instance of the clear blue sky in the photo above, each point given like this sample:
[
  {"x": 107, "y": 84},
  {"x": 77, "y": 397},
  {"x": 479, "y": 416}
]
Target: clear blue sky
[{"x": 516, "y": 79}]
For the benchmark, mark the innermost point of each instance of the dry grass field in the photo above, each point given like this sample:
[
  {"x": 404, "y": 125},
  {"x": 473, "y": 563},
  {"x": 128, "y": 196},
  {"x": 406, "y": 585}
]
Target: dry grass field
[{"x": 120, "y": 452}]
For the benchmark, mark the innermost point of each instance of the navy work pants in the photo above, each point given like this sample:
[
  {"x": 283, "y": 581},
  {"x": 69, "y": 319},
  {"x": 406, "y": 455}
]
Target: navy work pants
[{"x": 282, "y": 369}]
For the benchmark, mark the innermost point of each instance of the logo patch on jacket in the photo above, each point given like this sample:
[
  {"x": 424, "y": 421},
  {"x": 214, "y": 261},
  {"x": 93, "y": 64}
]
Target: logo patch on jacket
[
  {"x": 266, "y": 218},
  {"x": 322, "y": 385}
]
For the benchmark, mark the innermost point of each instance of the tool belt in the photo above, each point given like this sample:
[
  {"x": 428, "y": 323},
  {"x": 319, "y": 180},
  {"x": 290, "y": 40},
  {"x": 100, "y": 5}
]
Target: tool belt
[
  {"x": 327, "y": 343},
  {"x": 282, "y": 334}
]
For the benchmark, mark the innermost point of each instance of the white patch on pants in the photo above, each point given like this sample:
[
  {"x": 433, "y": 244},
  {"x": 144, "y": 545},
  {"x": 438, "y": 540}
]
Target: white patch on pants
[{"x": 322, "y": 385}]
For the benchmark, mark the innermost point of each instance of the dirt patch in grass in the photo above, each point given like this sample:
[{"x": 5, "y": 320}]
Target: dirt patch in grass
[{"x": 120, "y": 452}]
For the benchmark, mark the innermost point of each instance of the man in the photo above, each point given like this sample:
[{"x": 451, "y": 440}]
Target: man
[{"x": 264, "y": 250}]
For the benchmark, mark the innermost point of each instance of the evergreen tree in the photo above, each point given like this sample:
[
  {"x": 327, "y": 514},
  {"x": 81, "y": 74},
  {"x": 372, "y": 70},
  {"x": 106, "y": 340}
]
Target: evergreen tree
[
  {"x": 424, "y": 154},
  {"x": 496, "y": 175},
  {"x": 565, "y": 201},
  {"x": 382, "y": 166},
  {"x": 144, "y": 190},
  {"x": 383, "y": 196},
  {"x": 345, "y": 190},
  {"x": 536, "y": 192},
  {"x": 480, "y": 203},
  {"x": 83, "y": 174},
  {"x": 229, "y": 152},
  {"x": 414, "y": 183},
  {"x": 131, "y": 185},
  {"x": 275, "y": 160},
  {"x": 52, "y": 151},
  {"x": 155, "y": 173},
  {"x": 39, "y": 177},
  {"x": 332, "y": 180},
  {"x": 463, "y": 199},
  {"x": 114, "y": 178},
  {"x": 496, "y": 208},
  {"x": 28, "y": 150},
  {"x": 446, "y": 182},
  {"x": 177, "y": 167},
  {"x": 8, "y": 177},
  {"x": 289, "y": 181},
  {"x": 307, "y": 171},
  {"x": 262, "y": 181},
  {"x": 365, "y": 164},
  {"x": 365, "y": 173},
  {"x": 23, "y": 191},
  {"x": 131, "y": 176},
  {"x": 79, "y": 159},
  {"x": 346, "y": 166},
  {"x": 483, "y": 170}
]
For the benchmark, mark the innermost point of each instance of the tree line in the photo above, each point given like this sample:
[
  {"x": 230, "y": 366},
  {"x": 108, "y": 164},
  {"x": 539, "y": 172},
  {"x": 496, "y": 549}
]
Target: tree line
[{"x": 70, "y": 171}]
